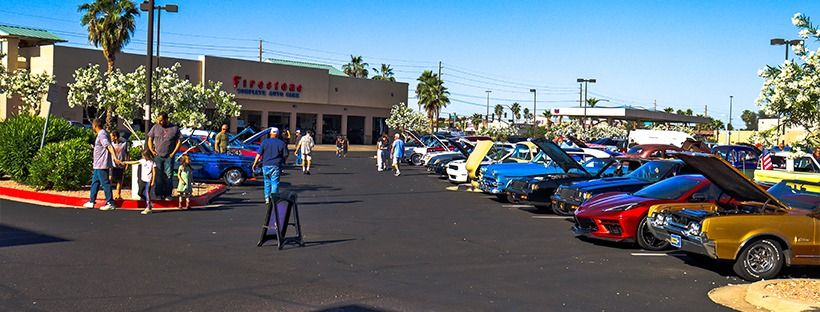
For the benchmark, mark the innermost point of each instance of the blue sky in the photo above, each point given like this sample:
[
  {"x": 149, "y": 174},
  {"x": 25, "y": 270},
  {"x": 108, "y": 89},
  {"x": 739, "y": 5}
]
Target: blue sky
[{"x": 684, "y": 54}]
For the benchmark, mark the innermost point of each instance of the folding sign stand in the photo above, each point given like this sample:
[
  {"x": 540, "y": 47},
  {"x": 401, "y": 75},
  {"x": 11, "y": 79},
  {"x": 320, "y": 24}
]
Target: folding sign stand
[{"x": 277, "y": 221}]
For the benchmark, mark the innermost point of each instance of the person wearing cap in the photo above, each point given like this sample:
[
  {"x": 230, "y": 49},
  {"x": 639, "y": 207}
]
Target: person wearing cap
[{"x": 273, "y": 153}]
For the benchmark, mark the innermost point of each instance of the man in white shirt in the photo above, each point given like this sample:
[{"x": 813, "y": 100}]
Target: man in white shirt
[{"x": 305, "y": 146}]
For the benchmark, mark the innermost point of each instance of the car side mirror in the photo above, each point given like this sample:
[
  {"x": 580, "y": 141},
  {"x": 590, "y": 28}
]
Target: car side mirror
[{"x": 698, "y": 197}]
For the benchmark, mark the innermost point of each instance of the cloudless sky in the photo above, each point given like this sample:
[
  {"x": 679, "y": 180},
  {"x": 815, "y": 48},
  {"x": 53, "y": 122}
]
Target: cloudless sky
[{"x": 683, "y": 54}]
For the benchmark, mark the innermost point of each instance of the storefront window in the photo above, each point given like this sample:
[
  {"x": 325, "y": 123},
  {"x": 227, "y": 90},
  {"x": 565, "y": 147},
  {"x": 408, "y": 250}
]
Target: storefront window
[
  {"x": 379, "y": 127},
  {"x": 306, "y": 122},
  {"x": 249, "y": 119},
  {"x": 355, "y": 129},
  {"x": 279, "y": 120},
  {"x": 331, "y": 127}
]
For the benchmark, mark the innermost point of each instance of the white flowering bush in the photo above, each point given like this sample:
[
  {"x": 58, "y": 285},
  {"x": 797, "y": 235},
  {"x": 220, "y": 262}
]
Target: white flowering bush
[
  {"x": 404, "y": 118},
  {"x": 792, "y": 90},
  {"x": 498, "y": 132},
  {"x": 30, "y": 87},
  {"x": 765, "y": 138},
  {"x": 577, "y": 130},
  {"x": 679, "y": 128}
]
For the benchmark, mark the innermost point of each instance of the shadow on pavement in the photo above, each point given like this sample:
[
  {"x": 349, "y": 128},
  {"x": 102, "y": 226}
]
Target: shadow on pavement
[
  {"x": 327, "y": 242},
  {"x": 331, "y": 202},
  {"x": 351, "y": 308},
  {"x": 12, "y": 236}
]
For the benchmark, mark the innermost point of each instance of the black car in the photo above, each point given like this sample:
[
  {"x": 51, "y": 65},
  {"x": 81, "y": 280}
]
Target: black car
[
  {"x": 568, "y": 197},
  {"x": 538, "y": 191}
]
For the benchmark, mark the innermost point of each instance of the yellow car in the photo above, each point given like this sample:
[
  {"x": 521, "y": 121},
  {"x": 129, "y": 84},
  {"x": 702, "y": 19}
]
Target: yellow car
[
  {"x": 523, "y": 152},
  {"x": 760, "y": 230}
]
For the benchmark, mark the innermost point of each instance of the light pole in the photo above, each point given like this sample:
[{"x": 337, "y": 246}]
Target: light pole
[
  {"x": 170, "y": 8},
  {"x": 487, "y": 116},
  {"x": 148, "y": 6},
  {"x": 730, "y": 121},
  {"x": 586, "y": 91},
  {"x": 787, "y": 43},
  {"x": 534, "y": 93}
]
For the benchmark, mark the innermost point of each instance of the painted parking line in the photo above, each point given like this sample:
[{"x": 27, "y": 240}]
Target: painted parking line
[
  {"x": 517, "y": 206},
  {"x": 550, "y": 217},
  {"x": 648, "y": 254}
]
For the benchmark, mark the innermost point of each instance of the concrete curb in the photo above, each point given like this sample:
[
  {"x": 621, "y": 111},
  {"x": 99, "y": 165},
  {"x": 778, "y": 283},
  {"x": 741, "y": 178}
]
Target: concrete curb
[
  {"x": 758, "y": 295},
  {"x": 63, "y": 201}
]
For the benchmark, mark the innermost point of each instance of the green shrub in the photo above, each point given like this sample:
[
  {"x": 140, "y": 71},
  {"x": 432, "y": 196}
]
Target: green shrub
[
  {"x": 20, "y": 138},
  {"x": 63, "y": 166}
]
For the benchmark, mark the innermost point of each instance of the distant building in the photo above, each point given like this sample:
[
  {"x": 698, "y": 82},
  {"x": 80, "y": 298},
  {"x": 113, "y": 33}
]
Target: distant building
[{"x": 764, "y": 124}]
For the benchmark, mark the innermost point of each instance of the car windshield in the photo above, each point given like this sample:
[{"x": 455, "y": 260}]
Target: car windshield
[
  {"x": 498, "y": 151},
  {"x": 189, "y": 142},
  {"x": 669, "y": 189},
  {"x": 635, "y": 150},
  {"x": 653, "y": 171},
  {"x": 594, "y": 165},
  {"x": 800, "y": 195}
]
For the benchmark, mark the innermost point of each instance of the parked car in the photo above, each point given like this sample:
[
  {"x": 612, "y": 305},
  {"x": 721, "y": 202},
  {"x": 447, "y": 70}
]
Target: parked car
[
  {"x": 437, "y": 164},
  {"x": 416, "y": 146},
  {"x": 739, "y": 156},
  {"x": 760, "y": 231},
  {"x": 498, "y": 152},
  {"x": 207, "y": 165},
  {"x": 621, "y": 217},
  {"x": 567, "y": 198},
  {"x": 652, "y": 151},
  {"x": 806, "y": 168},
  {"x": 538, "y": 191}
]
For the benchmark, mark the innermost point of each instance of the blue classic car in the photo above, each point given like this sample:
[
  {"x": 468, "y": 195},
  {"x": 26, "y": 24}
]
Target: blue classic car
[
  {"x": 739, "y": 156},
  {"x": 208, "y": 165}
]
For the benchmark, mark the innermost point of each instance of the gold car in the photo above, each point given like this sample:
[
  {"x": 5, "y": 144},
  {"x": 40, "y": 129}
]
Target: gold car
[{"x": 760, "y": 230}]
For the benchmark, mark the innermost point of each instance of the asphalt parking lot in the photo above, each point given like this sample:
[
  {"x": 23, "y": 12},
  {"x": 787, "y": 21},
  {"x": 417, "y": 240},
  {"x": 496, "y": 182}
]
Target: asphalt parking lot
[{"x": 375, "y": 242}]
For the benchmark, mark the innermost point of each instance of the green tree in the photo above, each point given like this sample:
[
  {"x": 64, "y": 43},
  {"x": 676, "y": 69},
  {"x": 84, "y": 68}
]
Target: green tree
[
  {"x": 750, "y": 119},
  {"x": 593, "y": 101},
  {"x": 499, "y": 111},
  {"x": 476, "y": 120},
  {"x": 356, "y": 68},
  {"x": 385, "y": 73},
  {"x": 527, "y": 115},
  {"x": 669, "y": 110},
  {"x": 432, "y": 95},
  {"x": 110, "y": 26},
  {"x": 515, "y": 108},
  {"x": 717, "y": 124},
  {"x": 404, "y": 118}
]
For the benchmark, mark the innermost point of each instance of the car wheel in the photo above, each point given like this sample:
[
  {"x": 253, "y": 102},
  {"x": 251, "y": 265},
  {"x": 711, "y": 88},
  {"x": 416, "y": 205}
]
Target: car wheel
[
  {"x": 415, "y": 159},
  {"x": 648, "y": 241},
  {"x": 761, "y": 259},
  {"x": 511, "y": 198},
  {"x": 558, "y": 210},
  {"x": 233, "y": 177}
]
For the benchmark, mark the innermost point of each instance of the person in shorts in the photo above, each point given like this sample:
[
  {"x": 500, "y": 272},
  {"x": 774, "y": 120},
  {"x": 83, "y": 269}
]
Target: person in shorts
[
  {"x": 118, "y": 171},
  {"x": 185, "y": 183},
  {"x": 305, "y": 146},
  {"x": 397, "y": 152}
]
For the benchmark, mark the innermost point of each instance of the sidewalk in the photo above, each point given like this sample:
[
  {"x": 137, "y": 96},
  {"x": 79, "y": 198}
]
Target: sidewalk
[{"x": 332, "y": 148}]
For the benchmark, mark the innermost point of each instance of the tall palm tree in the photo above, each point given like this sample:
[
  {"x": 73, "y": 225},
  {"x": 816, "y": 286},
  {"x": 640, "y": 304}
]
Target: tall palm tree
[
  {"x": 669, "y": 110},
  {"x": 385, "y": 73},
  {"x": 546, "y": 114},
  {"x": 110, "y": 27},
  {"x": 432, "y": 96},
  {"x": 499, "y": 111},
  {"x": 515, "y": 108},
  {"x": 476, "y": 120},
  {"x": 593, "y": 101},
  {"x": 356, "y": 68}
]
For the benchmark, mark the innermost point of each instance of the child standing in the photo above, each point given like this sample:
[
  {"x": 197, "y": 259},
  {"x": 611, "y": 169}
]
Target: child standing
[
  {"x": 184, "y": 188},
  {"x": 147, "y": 172}
]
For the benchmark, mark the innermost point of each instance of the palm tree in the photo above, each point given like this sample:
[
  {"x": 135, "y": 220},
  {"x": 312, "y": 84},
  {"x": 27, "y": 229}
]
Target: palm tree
[
  {"x": 432, "y": 96},
  {"x": 499, "y": 111},
  {"x": 515, "y": 108},
  {"x": 526, "y": 114},
  {"x": 110, "y": 27},
  {"x": 476, "y": 120},
  {"x": 546, "y": 114},
  {"x": 385, "y": 73},
  {"x": 593, "y": 101},
  {"x": 669, "y": 110},
  {"x": 356, "y": 68}
]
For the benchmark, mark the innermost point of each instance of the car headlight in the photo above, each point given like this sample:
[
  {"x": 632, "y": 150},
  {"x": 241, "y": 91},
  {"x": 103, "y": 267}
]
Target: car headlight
[
  {"x": 586, "y": 195},
  {"x": 693, "y": 229},
  {"x": 621, "y": 207},
  {"x": 534, "y": 186}
]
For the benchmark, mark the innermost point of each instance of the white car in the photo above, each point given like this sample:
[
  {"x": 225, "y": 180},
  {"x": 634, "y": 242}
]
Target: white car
[{"x": 457, "y": 171}]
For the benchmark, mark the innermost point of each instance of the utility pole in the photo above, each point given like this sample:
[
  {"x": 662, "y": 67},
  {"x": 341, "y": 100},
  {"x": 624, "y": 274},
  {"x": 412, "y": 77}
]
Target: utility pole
[
  {"x": 706, "y": 110},
  {"x": 533, "y": 106},
  {"x": 260, "y": 50},
  {"x": 159, "y": 16},
  {"x": 655, "y": 104},
  {"x": 580, "y": 94},
  {"x": 150, "y": 61},
  {"x": 487, "y": 116},
  {"x": 439, "y": 70},
  {"x": 730, "y": 121}
]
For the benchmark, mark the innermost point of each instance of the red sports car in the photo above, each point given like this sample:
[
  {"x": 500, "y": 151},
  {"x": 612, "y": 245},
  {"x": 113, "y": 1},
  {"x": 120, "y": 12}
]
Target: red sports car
[{"x": 621, "y": 217}]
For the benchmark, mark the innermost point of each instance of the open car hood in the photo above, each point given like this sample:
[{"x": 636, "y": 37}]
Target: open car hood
[
  {"x": 256, "y": 136},
  {"x": 727, "y": 178},
  {"x": 559, "y": 156},
  {"x": 477, "y": 157},
  {"x": 460, "y": 147}
]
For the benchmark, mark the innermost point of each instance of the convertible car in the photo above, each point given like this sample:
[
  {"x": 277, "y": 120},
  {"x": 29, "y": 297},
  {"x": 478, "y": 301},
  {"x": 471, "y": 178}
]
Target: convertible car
[
  {"x": 567, "y": 198},
  {"x": 208, "y": 165},
  {"x": 537, "y": 191},
  {"x": 621, "y": 217},
  {"x": 760, "y": 231}
]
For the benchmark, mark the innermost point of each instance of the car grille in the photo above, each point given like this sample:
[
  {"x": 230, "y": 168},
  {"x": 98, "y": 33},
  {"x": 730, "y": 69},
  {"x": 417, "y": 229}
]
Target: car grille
[
  {"x": 453, "y": 167},
  {"x": 612, "y": 227},
  {"x": 586, "y": 224},
  {"x": 518, "y": 184},
  {"x": 489, "y": 182},
  {"x": 567, "y": 193}
]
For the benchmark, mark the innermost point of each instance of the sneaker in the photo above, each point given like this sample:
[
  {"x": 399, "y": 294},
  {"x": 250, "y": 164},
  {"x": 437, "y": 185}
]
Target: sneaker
[
  {"x": 307, "y": 172},
  {"x": 88, "y": 205},
  {"x": 380, "y": 169},
  {"x": 146, "y": 211},
  {"x": 169, "y": 198},
  {"x": 108, "y": 207},
  {"x": 267, "y": 201},
  {"x": 398, "y": 173}
]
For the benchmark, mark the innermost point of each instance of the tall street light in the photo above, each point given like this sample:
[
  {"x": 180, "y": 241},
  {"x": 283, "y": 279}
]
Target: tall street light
[
  {"x": 787, "y": 43},
  {"x": 170, "y": 8},
  {"x": 148, "y": 6},
  {"x": 533, "y": 106},
  {"x": 487, "y": 116},
  {"x": 730, "y": 120},
  {"x": 586, "y": 91}
]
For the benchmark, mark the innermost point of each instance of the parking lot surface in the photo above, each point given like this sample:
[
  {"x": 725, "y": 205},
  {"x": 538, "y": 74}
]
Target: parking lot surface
[{"x": 375, "y": 242}]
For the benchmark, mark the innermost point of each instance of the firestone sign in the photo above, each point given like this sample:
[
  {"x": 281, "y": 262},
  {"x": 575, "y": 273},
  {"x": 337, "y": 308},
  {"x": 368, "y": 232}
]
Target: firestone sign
[{"x": 266, "y": 88}]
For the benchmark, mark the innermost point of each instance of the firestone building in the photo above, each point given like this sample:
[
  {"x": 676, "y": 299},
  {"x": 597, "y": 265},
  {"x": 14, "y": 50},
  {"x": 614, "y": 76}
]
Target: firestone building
[{"x": 273, "y": 93}]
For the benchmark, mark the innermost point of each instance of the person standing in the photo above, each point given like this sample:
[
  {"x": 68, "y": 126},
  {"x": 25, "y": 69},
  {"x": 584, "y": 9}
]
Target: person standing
[
  {"x": 397, "y": 151},
  {"x": 305, "y": 146},
  {"x": 147, "y": 178},
  {"x": 296, "y": 140},
  {"x": 184, "y": 187},
  {"x": 273, "y": 152},
  {"x": 287, "y": 136},
  {"x": 118, "y": 171},
  {"x": 221, "y": 140},
  {"x": 101, "y": 164},
  {"x": 163, "y": 142},
  {"x": 345, "y": 146},
  {"x": 383, "y": 149},
  {"x": 339, "y": 144}
]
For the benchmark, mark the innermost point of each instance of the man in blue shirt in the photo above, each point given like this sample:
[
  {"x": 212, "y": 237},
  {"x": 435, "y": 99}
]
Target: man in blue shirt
[
  {"x": 273, "y": 153},
  {"x": 397, "y": 151}
]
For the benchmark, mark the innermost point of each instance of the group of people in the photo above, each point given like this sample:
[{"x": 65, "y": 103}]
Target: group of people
[
  {"x": 273, "y": 154},
  {"x": 155, "y": 171},
  {"x": 387, "y": 152}
]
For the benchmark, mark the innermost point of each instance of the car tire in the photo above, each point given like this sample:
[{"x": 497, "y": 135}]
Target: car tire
[
  {"x": 556, "y": 209},
  {"x": 760, "y": 259},
  {"x": 415, "y": 159},
  {"x": 646, "y": 240},
  {"x": 233, "y": 177}
]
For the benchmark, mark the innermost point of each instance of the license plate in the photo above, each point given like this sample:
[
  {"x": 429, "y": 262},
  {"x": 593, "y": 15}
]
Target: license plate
[{"x": 674, "y": 239}]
